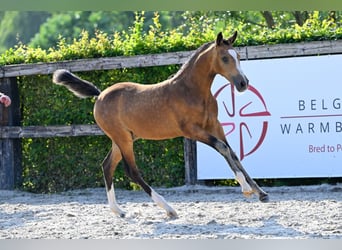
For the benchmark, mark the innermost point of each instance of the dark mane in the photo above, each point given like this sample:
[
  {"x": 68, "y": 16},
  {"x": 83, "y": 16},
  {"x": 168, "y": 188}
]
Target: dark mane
[{"x": 191, "y": 60}]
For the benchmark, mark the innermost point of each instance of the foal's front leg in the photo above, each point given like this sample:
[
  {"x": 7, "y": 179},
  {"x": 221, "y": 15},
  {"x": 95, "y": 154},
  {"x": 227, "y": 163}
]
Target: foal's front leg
[{"x": 247, "y": 184}]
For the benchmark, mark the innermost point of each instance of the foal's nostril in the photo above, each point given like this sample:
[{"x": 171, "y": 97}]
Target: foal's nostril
[{"x": 244, "y": 84}]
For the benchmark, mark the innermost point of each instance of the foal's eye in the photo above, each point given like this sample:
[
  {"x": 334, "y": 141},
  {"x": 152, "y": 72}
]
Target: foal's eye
[{"x": 225, "y": 59}]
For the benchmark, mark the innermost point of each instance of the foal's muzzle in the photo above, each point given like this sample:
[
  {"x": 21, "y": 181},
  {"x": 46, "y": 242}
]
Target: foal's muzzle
[{"x": 240, "y": 82}]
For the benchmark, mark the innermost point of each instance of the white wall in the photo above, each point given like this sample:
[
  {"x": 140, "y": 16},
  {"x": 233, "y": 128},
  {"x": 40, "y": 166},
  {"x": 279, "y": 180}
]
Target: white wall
[{"x": 297, "y": 103}]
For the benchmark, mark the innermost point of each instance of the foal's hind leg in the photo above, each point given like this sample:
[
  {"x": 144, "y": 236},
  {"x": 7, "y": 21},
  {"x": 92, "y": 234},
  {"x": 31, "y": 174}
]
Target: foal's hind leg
[
  {"x": 109, "y": 165},
  {"x": 133, "y": 172}
]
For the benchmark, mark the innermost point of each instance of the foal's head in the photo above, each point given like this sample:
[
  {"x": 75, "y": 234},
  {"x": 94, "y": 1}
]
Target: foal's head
[{"x": 228, "y": 62}]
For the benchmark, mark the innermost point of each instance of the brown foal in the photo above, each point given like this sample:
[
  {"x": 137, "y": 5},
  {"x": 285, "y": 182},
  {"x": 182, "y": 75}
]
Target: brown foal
[{"x": 180, "y": 106}]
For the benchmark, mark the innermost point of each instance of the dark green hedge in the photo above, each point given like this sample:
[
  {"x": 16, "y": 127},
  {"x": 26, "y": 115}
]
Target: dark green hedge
[{"x": 57, "y": 164}]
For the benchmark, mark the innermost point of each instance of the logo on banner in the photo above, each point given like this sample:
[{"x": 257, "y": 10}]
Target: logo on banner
[{"x": 236, "y": 118}]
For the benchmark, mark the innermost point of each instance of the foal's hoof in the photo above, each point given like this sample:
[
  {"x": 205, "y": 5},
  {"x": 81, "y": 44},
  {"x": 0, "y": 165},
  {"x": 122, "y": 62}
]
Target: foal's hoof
[
  {"x": 172, "y": 214},
  {"x": 122, "y": 215},
  {"x": 264, "y": 198},
  {"x": 119, "y": 213}
]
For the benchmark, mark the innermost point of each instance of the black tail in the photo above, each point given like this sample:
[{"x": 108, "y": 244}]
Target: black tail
[{"x": 79, "y": 87}]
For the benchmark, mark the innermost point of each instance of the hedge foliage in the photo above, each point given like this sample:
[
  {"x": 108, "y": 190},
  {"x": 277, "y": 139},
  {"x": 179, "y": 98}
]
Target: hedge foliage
[{"x": 57, "y": 164}]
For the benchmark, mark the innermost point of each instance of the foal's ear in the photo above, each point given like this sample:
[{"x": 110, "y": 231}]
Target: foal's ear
[
  {"x": 219, "y": 39},
  {"x": 232, "y": 39}
]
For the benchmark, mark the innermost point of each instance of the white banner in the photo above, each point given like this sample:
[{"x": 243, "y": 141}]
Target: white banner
[{"x": 287, "y": 124}]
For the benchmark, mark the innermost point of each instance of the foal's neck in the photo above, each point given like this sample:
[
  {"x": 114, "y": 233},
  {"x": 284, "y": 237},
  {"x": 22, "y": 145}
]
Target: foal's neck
[
  {"x": 201, "y": 74},
  {"x": 197, "y": 74}
]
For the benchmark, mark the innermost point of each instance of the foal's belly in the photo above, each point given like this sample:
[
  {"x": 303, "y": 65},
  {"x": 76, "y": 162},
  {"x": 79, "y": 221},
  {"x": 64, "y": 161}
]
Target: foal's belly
[{"x": 155, "y": 130}]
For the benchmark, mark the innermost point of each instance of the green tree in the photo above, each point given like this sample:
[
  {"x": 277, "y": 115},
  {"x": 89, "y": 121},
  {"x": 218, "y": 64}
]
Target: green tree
[
  {"x": 70, "y": 25},
  {"x": 255, "y": 19},
  {"x": 18, "y": 26}
]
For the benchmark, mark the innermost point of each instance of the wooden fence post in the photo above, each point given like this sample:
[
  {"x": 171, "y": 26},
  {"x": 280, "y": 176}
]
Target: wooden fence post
[
  {"x": 190, "y": 159},
  {"x": 10, "y": 148}
]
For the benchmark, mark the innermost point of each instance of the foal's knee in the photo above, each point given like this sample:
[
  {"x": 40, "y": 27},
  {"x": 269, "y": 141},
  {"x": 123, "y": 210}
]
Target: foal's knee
[
  {"x": 224, "y": 149},
  {"x": 220, "y": 146}
]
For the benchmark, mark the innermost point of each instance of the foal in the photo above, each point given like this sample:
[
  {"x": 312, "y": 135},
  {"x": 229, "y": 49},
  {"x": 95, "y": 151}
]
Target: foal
[{"x": 180, "y": 106}]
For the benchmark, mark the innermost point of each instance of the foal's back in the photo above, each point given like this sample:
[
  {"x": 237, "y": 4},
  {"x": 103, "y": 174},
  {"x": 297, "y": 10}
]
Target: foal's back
[{"x": 146, "y": 111}]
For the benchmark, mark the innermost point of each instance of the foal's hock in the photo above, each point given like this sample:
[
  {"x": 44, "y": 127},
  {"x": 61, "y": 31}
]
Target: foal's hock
[{"x": 180, "y": 106}]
